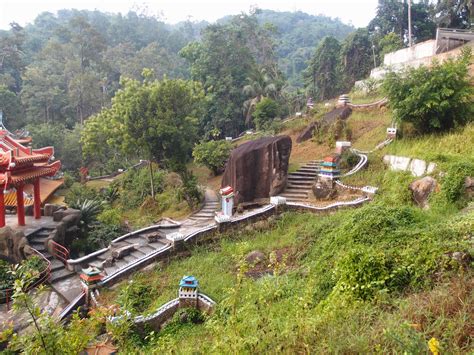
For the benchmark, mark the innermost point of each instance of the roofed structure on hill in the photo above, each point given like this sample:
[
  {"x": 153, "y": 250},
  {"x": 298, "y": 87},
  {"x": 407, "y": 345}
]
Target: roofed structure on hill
[{"x": 19, "y": 166}]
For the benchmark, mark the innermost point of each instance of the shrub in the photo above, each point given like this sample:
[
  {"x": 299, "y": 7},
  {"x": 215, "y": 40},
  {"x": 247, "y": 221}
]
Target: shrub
[
  {"x": 265, "y": 111},
  {"x": 212, "y": 154},
  {"x": 80, "y": 192},
  {"x": 453, "y": 182},
  {"x": 364, "y": 272},
  {"x": 190, "y": 190},
  {"x": 135, "y": 297},
  {"x": 110, "y": 216},
  {"x": 433, "y": 99},
  {"x": 100, "y": 236},
  {"x": 135, "y": 186}
]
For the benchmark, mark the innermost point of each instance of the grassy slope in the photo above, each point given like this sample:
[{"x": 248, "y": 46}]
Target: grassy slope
[{"x": 419, "y": 292}]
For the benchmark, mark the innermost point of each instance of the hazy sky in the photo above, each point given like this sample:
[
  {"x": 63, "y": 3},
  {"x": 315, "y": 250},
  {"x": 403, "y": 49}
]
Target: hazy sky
[{"x": 359, "y": 12}]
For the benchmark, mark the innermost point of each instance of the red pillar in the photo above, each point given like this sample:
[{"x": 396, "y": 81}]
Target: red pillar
[
  {"x": 2, "y": 207},
  {"x": 20, "y": 205},
  {"x": 37, "y": 199}
]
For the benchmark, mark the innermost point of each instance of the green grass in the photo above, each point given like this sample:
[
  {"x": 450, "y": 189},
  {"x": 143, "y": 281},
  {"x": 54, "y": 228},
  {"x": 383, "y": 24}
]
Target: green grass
[
  {"x": 305, "y": 305},
  {"x": 438, "y": 148}
]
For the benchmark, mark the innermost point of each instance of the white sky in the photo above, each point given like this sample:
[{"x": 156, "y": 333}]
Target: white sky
[{"x": 358, "y": 12}]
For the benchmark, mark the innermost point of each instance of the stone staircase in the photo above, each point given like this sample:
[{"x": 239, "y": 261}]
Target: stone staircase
[
  {"x": 142, "y": 248},
  {"x": 63, "y": 281},
  {"x": 207, "y": 212},
  {"x": 299, "y": 183}
]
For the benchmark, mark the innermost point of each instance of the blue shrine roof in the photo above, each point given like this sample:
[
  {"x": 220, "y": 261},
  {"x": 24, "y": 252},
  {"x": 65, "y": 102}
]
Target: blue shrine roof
[{"x": 188, "y": 281}]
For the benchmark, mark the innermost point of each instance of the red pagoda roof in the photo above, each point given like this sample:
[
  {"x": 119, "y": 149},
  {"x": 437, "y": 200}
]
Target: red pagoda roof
[{"x": 20, "y": 164}]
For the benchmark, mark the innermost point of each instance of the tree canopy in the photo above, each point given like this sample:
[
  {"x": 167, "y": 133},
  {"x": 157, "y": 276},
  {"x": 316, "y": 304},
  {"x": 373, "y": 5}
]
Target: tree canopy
[{"x": 156, "y": 120}]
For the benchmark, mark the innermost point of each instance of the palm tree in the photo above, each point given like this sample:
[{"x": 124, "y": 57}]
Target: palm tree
[{"x": 259, "y": 85}]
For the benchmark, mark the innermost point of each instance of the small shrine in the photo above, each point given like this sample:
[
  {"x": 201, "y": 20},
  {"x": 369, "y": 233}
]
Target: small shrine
[
  {"x": 391, "y": 133},
  {"x": 227, "y": 194},
  {"x": 329, "y": 167},
  {"x": 188, "y": 291},
  {"x": 19, "y": 166}
]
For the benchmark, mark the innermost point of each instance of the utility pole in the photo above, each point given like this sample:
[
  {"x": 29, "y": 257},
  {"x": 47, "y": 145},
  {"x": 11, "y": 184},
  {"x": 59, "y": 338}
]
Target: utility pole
[{"x": 409, "y": 24}]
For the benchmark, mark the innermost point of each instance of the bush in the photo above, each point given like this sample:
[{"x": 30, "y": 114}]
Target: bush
[
  {"x": 453, "y": 182},
  {"x": 265, "y": 111},
  {"x": 433, "y": 99},
  {"x": 80, "y": 192},
  {"x": 363, "y": 273},
  {"x": 135, "y": 186},
  {"x": 110, "y": 216},
  {"x": 190, "y": 190},
  {"x": 100, "y": 236},
  {"x": 212, "y": 154}
]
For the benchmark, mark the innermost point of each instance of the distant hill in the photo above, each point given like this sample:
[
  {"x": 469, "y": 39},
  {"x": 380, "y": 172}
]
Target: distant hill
[{"x": 298, "y": 35}]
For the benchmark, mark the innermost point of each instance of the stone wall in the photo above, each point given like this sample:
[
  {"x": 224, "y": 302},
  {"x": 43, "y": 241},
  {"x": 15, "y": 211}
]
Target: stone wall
[{"x": 417, "y": 167}]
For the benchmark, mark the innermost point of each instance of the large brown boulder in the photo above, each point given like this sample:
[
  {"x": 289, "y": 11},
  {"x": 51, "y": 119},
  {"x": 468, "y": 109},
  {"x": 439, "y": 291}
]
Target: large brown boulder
[
  {"x": 258, "y": 169},
  {"x": 307, "y": 133},
  {"x": 422, "y": 189}
]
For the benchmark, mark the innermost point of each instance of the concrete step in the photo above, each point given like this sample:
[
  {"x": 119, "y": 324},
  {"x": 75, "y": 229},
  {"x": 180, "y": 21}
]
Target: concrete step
[
  {"x": 111, "y": 270},
  {"x": 304, "y": 173},
  {"x": 130, "y": 258},
  {"x": 294, "y": 196},
  {"x": 120, "y": 263},
  {"x": 308, "y": 170},
  {"x": 300, "y": 178},
  {"x": 69, "y": 288},
  {"x": 298, "y": 187},
  {"x": 147, "y": 249},
  {"x": 42, "y": 233},
  {"x": 60, "y": 274},
  {"x": 47, "y": 255},
  {"x": 200, "y": 218},
  {"x": 56, "y": 265},
  {"x": 204, "y": 215},
  {"x": 39, "y": 247},
  {"x": 138, "y": 253},
  {"x": 157, "y": 245}
]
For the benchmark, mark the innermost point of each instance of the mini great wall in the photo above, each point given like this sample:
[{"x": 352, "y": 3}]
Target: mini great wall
[{"x": 133, "y": 251}]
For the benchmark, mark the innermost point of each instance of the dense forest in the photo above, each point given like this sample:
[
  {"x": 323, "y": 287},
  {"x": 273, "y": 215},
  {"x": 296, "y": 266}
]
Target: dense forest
[{"x": 63, "y": 68}]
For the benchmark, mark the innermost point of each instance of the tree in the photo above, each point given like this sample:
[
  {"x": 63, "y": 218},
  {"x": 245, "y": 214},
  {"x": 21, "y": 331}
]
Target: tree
[
  {"x": 433, "y": 99},
  {"x": 265, "y": 111},
  {"x": 323, "y": 76},
  {"x": 10, "y": 106},
  {"x": 454, "y": 13},
  {"x": 212, "y": 154},
  {"x": 228, "y": 55},
  {"x": 356, "y": 57},
  {"x": 259, "y": 85},
  {"x": 392, "y": 16},
  {"x": 389, "y": 43},
  {"x": 156, "y": 120}
]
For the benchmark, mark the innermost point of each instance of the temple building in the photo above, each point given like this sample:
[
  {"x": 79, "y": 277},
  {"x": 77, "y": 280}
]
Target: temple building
[{"x": 20, "y": 166}]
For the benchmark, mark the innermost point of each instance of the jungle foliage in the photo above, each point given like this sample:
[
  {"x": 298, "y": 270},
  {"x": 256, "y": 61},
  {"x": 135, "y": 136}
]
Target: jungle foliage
[{"x": 433, "y": 99}]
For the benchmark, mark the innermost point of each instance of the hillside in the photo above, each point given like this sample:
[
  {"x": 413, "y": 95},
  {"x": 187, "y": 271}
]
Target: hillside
[{"x": 379, "y": 278}]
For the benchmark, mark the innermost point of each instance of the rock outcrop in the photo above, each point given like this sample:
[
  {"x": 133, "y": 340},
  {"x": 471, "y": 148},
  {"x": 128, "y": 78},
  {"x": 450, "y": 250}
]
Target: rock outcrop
[
  {"x": 12, "y": 244},
  {"x": 258, "y": 169},
  {"x": 324, "y": 189},
  {"x": 340, "y": 113},
  {"x": 422, "y": 189},
  {"x": 307, "y": 132}
]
